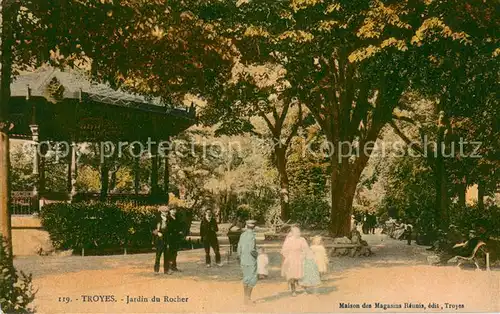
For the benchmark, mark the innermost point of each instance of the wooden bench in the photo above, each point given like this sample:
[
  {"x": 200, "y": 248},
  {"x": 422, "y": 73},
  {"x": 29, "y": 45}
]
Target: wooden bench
[
  {"x": 274, "y": 237},
  {"x": 480, "y": 246}
]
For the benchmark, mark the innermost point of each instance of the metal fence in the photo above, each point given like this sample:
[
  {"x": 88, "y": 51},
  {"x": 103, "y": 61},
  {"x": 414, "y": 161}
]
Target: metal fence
[
  {"x": 21, "y": 203},
  {"x": 134, "y": 199}
]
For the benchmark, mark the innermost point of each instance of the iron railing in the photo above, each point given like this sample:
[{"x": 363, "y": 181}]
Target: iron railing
[{"x": 22, "y": 203}]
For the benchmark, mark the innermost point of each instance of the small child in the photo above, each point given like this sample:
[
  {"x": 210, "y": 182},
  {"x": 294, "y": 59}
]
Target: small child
[
  {"x": 311, "y": 278},
  {"x": 262, "y": 264},
  {"x": 320, "y": 255}
]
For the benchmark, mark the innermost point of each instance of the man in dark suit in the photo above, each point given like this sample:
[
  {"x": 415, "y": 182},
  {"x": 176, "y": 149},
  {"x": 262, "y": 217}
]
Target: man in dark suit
[
  {"x": 208, "y": 232},
  {"x": 175, "y": 231},
  {"x": 161, "y": 235}
]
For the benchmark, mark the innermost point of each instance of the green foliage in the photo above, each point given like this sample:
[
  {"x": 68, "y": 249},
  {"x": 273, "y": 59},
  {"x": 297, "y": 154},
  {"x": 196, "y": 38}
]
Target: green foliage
[
  {"x": 307, "y": 175},
  {"x": 22, "y": 168},
  {"x": 55, "y": 168},
  {"x": 159, "y": 48},
  {"x": 98, "y": 225},
  {"x": 16, "y": 289},
  {"x": 244, "y": 212},
  {"x": 88, "y": 179},
  {"x": 410, "y": 196},
  {"x": 348, "y": 62},
  {"x": 310, "y": 211},
  {"x": 255, "y": 204},
  {"x": 472, "y": 218}
]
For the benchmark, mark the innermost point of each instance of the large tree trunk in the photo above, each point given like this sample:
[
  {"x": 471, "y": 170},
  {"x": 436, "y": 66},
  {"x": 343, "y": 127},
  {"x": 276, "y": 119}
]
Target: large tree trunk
[
  {"x": 280, "y": 153},
  {"x": 462, "y": 189},
  {"x": 441, "y": 184},
  {"x": 345, "y": 176},
  {"x": 343, "y": 189},
  {"x": 6, "y": 41},
  {"x": 5, "y": 225},
  {"x": 481, "y": 191},
  {"x": 441, "y": 195}
]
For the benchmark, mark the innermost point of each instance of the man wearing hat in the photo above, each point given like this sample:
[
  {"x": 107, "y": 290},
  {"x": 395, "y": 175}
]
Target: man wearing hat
[
  {"x": 161, "y": 233},
  {"x": 208, "y": 232},
  {"x": 247, "y": 251},
  {"x": 176, "y": 230}
]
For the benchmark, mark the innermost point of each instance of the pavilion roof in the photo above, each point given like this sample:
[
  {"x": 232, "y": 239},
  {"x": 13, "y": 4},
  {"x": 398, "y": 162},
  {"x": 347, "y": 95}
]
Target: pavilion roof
[
  {"x": 76, "y": 83},
  {"x": 68, "y": 104}
]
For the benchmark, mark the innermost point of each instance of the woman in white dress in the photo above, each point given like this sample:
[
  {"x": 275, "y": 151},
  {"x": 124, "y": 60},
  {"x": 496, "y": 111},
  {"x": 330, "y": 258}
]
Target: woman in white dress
[{"x": 294, "y": 251}]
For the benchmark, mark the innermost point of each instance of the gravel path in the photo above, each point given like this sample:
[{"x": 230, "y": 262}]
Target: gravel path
[{"x": 395, "y": 275}]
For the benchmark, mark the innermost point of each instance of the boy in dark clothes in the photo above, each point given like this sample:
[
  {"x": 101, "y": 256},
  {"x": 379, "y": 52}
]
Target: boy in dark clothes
[
  {"x": 208, "y": 232},
  {"x": 175, "y": 232}
]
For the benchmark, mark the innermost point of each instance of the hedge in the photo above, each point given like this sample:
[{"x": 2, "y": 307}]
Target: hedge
[{"x": 98, "y": 225}]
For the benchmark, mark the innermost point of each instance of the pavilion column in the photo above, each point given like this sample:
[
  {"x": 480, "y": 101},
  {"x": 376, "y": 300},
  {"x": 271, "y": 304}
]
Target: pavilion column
[
  {"x": 41, "y": 183},
  {"x": 72, "y": 170},
  {"x": 166, "y": 172},
  {"x": 104, "y": 181},
  {"x": 35, "y": 199},
  {"x": 137, "y": 169},
  {"x": 68, "y": 177},
  {"x": 166, "y": 176},
  {"x": 154, "y": 170},
  {"x": 137, "y": 181}
]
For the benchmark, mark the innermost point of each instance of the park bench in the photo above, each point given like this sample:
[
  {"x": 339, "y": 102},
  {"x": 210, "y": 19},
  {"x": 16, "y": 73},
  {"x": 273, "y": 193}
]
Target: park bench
[
  {"x": 331, "y": 248},
  {"x": 480, "y": 247},
  {"x": 353, "y": 247}
]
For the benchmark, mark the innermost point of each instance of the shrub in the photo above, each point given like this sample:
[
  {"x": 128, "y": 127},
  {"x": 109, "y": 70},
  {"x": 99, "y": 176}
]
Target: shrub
[
  {"x": 471, "y": 218},
  {"x": 98, "y": 225},
  {"x": 248, "y": 211},
  {"x": 243, "y": 211},
  {"x": 16, "y": 289},
  {"x": 310, "y": 212},
  {"x": 272, "y": 217}
]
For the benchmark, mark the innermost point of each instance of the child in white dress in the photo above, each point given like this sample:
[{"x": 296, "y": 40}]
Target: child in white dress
[
  {"x": 320, "y": 255},
  {"x": 262, "y": 264}
]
